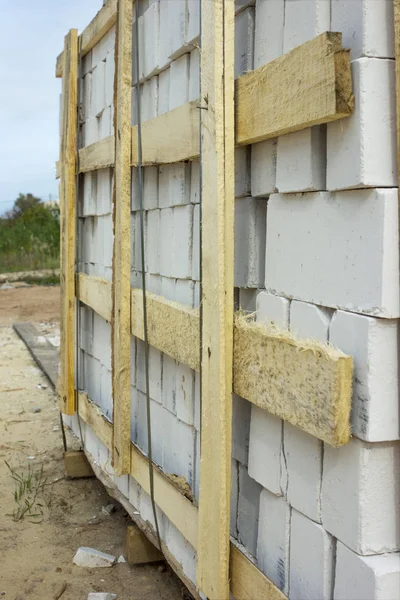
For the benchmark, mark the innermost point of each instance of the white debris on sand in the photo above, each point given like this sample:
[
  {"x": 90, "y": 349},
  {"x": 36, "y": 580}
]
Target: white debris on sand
[{"x": 92, "y": 558}]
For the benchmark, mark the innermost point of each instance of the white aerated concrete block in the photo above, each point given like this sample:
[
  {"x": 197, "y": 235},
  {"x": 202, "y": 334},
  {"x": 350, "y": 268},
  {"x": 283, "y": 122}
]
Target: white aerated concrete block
[
  {"x": 179, "y": 82},
  {"x": 234, "y": 498},
  {"x": 86, "y": 99},
  {"x": 193, "y": 25},
  {"x": 244, "y": 41},
  {"x": 273, "y": 309},
  {"x": 174, "y": 185},
  {"x": 360, "y": 495},
  {"x": 301, "y": 160},
  {"x": 98, "y": 89},
  {"x": 163, "y": 49},
  {"x": 181, "y": 266},
  {"x": 311, "y": 560},
  {"x": 106, "y": 399},
  {"x": 184, "y": 291},
  {"x": 168, "y": 288},
  {"x": 163, "y": 90},
  {"x": 179, "y": 447},
  {"x": 242, "y": 4},
  {"x": 248, "y": 510},
  {"x": 166, "y": 235},
  {"x": 149, "y": 99},
  {"x": 196, "y": 244},
  {"x": 104, "y": 191},
  {"x": 195, "y": 182},
  {"x": 241, "y": 413},
  {"x": 304, "y": 20},
  {"x": 89, "y": 193},
  {"x": 303, "y": 457},
  {"x": 373, "y": 345},
  {"x": 108, "y": 241},
  {"x": 86, "y": 63},
  {"x": 268, "y": 38},
  {"x": 181, "y": 550},
  {"x": 361, "y": 150},
  {"x": 366, "y": 26},
  {"x": 247, "y": 300},
  {"x": 263, "y": 168},
  {"x": 273, "y": 539},
  {"x": 151, "y": 25},
  {"x": 105, "y": 124},
  {"x": 309, "y": 321},
  {"x": 92, "y": 374},
  {"x": 242, "y": 171},
  {"x": 338, "y": 250},
  {"x": 90, "y": 131},
  {"x": 265, "y": 449},
  {"x": 109, "y": 79},
  {"x": 153, "y": 241},
  {"x": 194, "y": 74},
  {"x": 177, "y": 27},
  {"x": 168, "y": 388},
  {"x": 101, "y": 347},
  {"x": 150, "y": 188},
  {"x": 249, "y": 242},
  {"x": 366, "y": 577},
  {"x": 154, "y": 370},
  {"x": 184, "y": 393}
]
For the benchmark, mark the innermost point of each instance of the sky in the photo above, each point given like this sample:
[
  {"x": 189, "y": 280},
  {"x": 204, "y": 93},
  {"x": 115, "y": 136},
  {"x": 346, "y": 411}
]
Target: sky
[{"x": 32, "y": 36}]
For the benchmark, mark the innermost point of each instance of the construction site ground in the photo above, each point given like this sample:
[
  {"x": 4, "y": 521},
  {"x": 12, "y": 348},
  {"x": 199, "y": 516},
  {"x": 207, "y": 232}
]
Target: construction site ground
[{"x": 37, "y": 552}]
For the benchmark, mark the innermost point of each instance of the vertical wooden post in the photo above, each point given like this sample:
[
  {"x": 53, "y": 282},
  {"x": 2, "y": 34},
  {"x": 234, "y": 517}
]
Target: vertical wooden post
[
  {"x": 217, "y": 159},
  {"x": 396, "y": 7},
  {"x": 68, "y": 222},
  {"x": 121, "y": 318}
]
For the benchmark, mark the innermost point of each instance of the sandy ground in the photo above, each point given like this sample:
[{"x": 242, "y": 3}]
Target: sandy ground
[{"x": 36, "y": 557}]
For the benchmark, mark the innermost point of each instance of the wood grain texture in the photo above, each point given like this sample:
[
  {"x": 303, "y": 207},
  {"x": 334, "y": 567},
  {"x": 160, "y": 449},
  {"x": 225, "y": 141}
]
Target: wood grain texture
[
  {"x": 217, "y": 160},
  {"x": 171, "y": 137},
  {"x": 309, "y": 85},
  {"x": 169, "y": 325},
  {"x": 92, "y": 34},
  {"x": 99, "y": 155},
  {"x": 120, "y": 323},
  {"x": 247, "y": 582},
  {"x": 68, "y": 222},
  {"x": 302, "y": 382}
]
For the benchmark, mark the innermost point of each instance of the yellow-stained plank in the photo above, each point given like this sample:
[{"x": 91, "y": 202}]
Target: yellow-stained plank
[
  {"x": 99, "y": 155},
  {"x": 247, "y": 582},
  {"x": 92, "y": 34},
  {"x": 96, "y": 293},
  {"x": 217, "y": 159},
  {"x": 68, "y": 222},
  {"x": 309, "y": 85},
  {"x": 171, "y": 137},
  {"x": 120, "y": 323},
  {"x": 304, "y": 382},
  {"x": 169, "y": 325}
]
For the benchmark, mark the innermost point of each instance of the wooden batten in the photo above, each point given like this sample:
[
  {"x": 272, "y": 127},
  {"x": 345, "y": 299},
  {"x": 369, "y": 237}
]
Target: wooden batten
[
  {"x": 121, "y": 311},
  {"x": 396, "y": 10},
  {"x": 68, "y": 222},
  {"x": 218, "y": 201},
  {"x": 309, "y": 85},
  {"x": 99, "y": 155},
  {"x": 92, "y": 34},
  {"x": 246, "y": 581},
  {"x": 171, "y": 137},
  {"x": 318, "y": 405}
]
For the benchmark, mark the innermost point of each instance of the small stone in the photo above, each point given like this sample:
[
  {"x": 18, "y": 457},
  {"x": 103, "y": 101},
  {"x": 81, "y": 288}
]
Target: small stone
[
  {"x": 121, "y": 559},
  {"x": 161, "y": 568},
  {"x": 31, "y": 457},
  {"x": 108, "y": 510},
  {"x": 101, "y": 596},
  {"x": 37, "y": 409},
  {"x": 92, "y": 558}
]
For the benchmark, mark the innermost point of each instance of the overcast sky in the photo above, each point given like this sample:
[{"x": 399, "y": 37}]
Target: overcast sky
[{"x": 32, "y": 35}]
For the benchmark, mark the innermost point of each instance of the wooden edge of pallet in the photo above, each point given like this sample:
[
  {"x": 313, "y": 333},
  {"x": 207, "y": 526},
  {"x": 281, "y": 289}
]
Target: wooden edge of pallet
[
  {"x": 174, "y": 329},
  {"x": 171, "y": 137},
  {"x": 99, "y": 155},
  {"x": 307, "y": 86},
  {"x": 248, "y": 581},
  {"x": 97, "y": 28}
]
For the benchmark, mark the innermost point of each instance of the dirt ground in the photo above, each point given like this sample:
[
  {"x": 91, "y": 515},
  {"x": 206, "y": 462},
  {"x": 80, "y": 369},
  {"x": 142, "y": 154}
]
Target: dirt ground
[{"x": 37, "y": 552}]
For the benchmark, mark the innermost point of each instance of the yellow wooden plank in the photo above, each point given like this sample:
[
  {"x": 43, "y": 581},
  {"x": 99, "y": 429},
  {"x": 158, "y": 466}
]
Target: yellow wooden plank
[
  {"x": 217, "y": 135},
  {"x": 304, "y": 382},
  {"x": 99, "y": 155},
  {"x": 247, "y": 582},
  {"x": 171, "y": 137},
  {"x": 68, "y": 222},
  {"x": 120, "y": 326},
  {"x": 97, "y": 28},
  {"x": 168, "y": 324},
  {"x": 305, "y": 87},
  {"x": 96, "y": 293}
]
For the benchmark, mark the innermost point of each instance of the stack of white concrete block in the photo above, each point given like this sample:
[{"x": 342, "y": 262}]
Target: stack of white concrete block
[
  {"x": 316, "y": 252},
  {"x": 323, "y": 522}
]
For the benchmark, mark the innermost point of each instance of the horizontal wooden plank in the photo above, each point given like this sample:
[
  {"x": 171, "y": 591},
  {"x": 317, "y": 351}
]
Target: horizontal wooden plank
[
  {"x": 99, "y": 155},
  {"x": 303, "y": 382},
  {"x": 246, "y": 579},
  {"x": 96, "y": 293},
  {"x": 171, "y": 137},
  {"x": 309, "y": 85},
  {"x": 169, "y": 325},
  {"x": 92, "y": 34}
]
